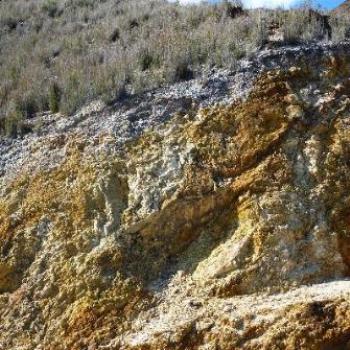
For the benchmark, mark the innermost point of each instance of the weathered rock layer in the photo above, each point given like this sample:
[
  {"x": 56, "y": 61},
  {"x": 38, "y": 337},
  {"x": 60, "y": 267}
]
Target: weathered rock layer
[{"x": 211, "y": 215}]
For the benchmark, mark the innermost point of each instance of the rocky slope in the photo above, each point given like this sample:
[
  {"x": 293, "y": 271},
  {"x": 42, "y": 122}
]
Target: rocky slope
[
  {"x": 343, "y": 7},
  {"x": 213, "y": 214}
]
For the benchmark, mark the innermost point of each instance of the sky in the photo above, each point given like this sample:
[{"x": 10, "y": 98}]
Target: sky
[{"x": 274, "y": 3}]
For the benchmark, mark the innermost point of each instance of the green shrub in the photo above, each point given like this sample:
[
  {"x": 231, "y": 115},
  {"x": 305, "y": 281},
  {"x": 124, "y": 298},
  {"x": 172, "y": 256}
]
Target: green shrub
[
  {"x": 27, "y": 104},
  {"x": 51, "y": 8},
  {"x": 182, "y": 71},
  {"x": 115, "y": 35},
  {"x": 145, "y": 60},
  {"x": 54, "y": 97}
]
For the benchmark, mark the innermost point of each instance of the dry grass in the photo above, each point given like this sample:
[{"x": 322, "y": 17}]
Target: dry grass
[{"x": 60, "y": 54}]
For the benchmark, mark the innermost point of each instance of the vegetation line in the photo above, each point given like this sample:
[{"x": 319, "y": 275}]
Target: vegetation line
[{"x": 58, "y": 55}]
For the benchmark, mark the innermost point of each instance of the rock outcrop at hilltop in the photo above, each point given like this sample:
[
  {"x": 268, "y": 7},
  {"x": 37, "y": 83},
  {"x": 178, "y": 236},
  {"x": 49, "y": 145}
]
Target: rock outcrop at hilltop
[
  {"x": 213, "y": 214},
  {"x": 344, "y": 7}
]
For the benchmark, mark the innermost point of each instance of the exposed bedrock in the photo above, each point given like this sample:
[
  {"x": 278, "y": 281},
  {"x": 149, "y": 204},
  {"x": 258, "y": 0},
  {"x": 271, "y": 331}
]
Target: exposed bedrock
[{"x": 198, "y": 225}]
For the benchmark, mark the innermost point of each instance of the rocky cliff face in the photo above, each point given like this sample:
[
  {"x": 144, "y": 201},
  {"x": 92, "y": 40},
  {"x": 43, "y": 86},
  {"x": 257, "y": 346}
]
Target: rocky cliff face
[{"x": 213, "y": 214}]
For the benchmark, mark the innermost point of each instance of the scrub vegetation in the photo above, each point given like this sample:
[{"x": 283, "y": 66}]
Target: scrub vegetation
[{"x": 58, "y": 55}]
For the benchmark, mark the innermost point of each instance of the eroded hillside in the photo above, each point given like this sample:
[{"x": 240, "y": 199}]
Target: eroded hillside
[{"x": 213, "y": 214}]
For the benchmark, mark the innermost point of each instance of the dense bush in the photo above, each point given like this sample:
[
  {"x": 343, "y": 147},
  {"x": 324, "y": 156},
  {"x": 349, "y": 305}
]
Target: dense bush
[{"x": 107, "y": 48}]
